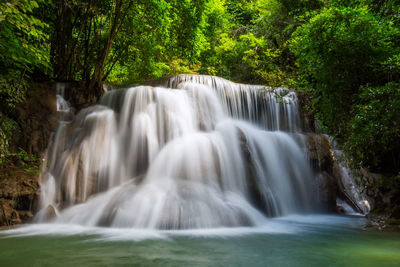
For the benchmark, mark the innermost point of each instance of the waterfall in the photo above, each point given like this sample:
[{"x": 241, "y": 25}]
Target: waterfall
[
  {"x": 63, "y": 107},
  {"x": 184, "y": 152}
]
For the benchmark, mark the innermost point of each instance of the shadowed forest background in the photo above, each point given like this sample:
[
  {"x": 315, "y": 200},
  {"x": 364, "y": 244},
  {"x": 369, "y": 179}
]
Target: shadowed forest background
[{"x": 343, "y": 56}]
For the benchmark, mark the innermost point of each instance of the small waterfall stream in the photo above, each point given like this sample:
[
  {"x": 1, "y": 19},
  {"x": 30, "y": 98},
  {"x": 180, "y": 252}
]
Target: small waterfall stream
[{"x": 186, "y": 152}]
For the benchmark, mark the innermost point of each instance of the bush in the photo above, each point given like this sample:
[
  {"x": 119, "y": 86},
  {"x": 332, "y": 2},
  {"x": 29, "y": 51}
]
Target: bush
[
  {"x": 374, "y": 131},
  {"x": 13, "y": 88},
  {"x": 7, "y": 128},
  {"x": 338, "y": 51}
]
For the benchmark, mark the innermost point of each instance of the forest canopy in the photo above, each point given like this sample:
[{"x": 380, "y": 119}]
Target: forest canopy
[{"x": 342, "y": 55}]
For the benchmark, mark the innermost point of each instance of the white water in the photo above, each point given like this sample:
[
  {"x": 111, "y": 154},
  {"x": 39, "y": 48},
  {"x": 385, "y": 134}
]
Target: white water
[
  {"x": 290, "y": 225},
  {"x": 208, "y": 153},
  {"x": 63, "y": 107}
]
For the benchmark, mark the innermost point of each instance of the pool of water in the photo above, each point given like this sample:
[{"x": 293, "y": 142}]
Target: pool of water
[{"x": 289, "y": 241}]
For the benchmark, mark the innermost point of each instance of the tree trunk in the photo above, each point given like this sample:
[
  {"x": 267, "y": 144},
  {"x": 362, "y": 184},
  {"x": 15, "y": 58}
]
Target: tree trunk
[
  {"x": 61, "y": 42},
  {"x": 96, "y": 83}
]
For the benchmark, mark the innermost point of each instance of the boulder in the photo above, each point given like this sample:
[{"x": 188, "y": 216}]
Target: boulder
[
  {"x": 50, "y": 212},
  {"x": 319, "y": 152},
  {"x": 8, "y": 214},
  {"x": 323, "y": 163},
  {"x": 384, "y": 193},
  {"x": 327, "y": 190},
  {"x": 19, "y": 195}
]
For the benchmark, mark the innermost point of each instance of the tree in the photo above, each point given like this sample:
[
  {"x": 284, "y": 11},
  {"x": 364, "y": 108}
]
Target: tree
[
  {"x": 23, "y": 40},
  {"x": 84, "y": 33},
  {"x": 23, "y": 50},
  {"x": 338, "y": 51},
  {"x": 374, "y": 130}
]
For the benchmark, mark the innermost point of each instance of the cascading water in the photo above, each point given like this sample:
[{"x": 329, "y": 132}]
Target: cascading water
[
  {"x": 206, "y": 153},
  {"x": 63, "y": 107}
]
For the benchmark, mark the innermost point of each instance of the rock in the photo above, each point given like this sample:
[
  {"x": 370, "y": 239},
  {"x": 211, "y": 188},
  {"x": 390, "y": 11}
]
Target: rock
[
  {"x": 319, "y": 152},
  {"x": 49, "y": 102},
  {"x": 78, "y": 97},
  {"x": 50, "y": 212},
  {"x": 8, "y": 215},
  {"x": 19, "y": 194},
  {"x": 256, "y": 195},
  {"x": 37, "y": 116},
  {"x": 382, "y": 222},
  {"x": 307, "y": 119},
  {"x": 334, "y": 181},
  {"x": 385, "y": 199},
  {"x": 370, "y": 177},
  {"x": 25, "y": 215},
  {"x": 323, "y": 163},
  {"x": 327, "y": 190}
]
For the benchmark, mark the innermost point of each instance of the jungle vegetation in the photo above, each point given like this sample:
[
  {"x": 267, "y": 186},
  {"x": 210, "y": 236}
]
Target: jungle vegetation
[{"x": 343, "y": 55}]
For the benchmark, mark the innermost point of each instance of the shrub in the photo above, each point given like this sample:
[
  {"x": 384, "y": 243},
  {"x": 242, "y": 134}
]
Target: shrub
[
  {"x": 338, "y": 51},
  {"x": 374, "y": 130}
]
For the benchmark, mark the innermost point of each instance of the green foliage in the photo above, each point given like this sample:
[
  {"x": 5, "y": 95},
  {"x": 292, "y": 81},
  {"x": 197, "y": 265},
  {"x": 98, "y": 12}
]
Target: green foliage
[
  {"x": 374, "y": 130},
  {"x": 158, "y": 37},
  {"x": 13, "y": 89},
  {"x": 348, "y": 64},
  {"x": 338, "y": 51},
  {"x": 345, "y": 55},
  {"x": 245, "y": 59},
  {"x": 237, "y": 49},
  {"x": 23, "y": 41},
  {"x": 141, "y": 50},
  {"x": 7, "y": 129},
  {"x": 30, "y": 163},
  {"x": 23, "y": 51}
]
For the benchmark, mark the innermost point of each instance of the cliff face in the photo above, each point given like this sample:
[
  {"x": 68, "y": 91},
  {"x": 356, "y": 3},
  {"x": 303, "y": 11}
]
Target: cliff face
[
  {"x": 19, "y": 192},
  {"x": 19, "y": 180}
]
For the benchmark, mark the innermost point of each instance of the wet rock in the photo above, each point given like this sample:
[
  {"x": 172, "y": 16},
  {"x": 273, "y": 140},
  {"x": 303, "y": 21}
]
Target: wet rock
[
  {"x": 334, "y": 181},
  {"x": 25, "y": 215},
  {"x": 327, "y": 190},
  {"x": 384, "y": 193},
  {"x": 382, "y": 222},
  {"x": 256, "y": 196},
  {"x": 8, "y": 215},
  {"x": 78, "y": 97},
  {"x": 19, "y": 194},
  {"x": 307, "y": 119},
  {"x": 37, "y": 117},
  {"x": 48, "y": 101},
  {"x": 319, "y": 152},
  {"x": 50, "y": 212},
  {"x": 323, "y": 163}
]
